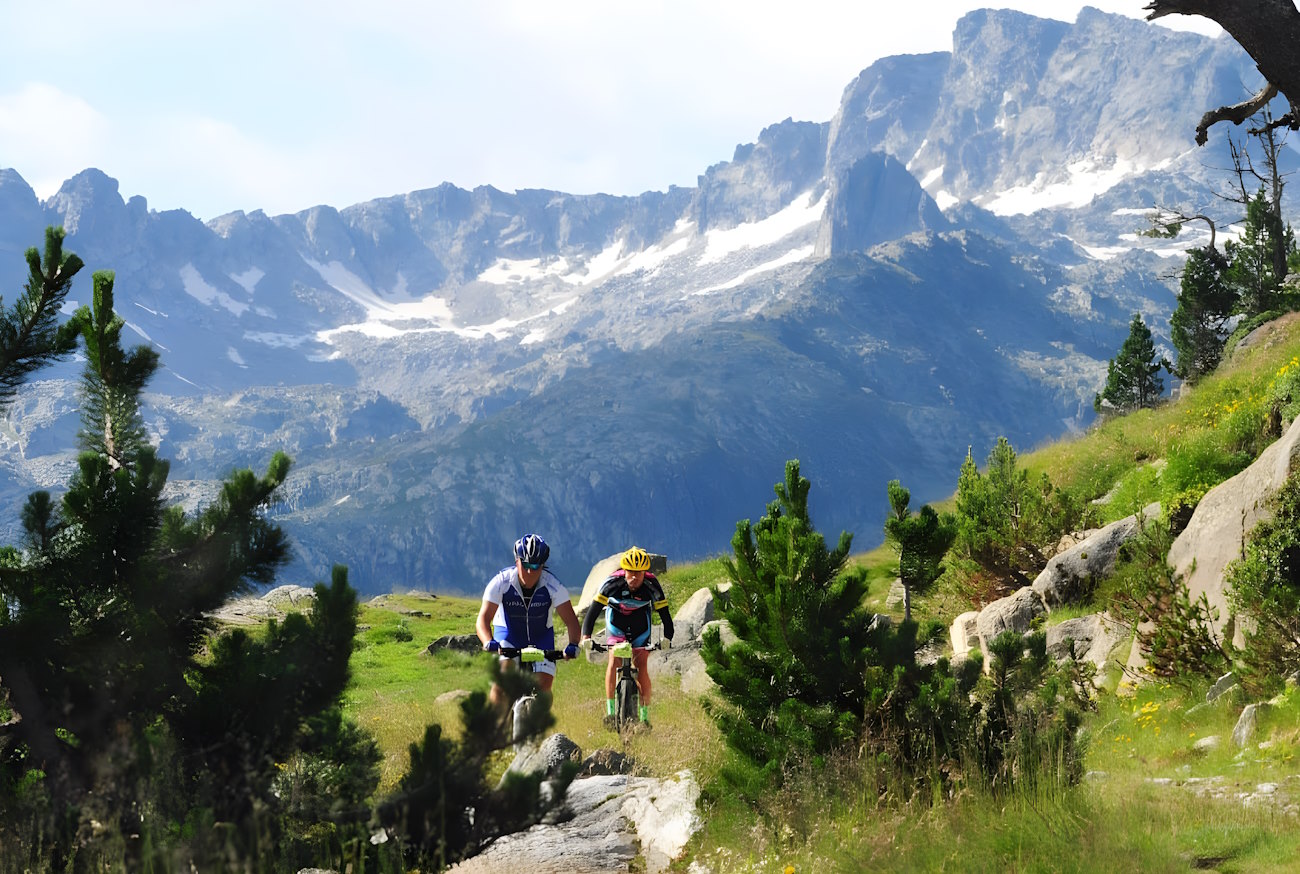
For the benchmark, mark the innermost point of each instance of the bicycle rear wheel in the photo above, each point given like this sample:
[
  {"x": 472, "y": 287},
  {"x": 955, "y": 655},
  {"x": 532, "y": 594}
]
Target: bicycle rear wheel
[{"x": 625, "y": 702}]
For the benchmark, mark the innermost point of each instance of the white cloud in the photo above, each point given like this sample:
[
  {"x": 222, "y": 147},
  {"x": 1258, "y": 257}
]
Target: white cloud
[{"x": 44, "y": 132}]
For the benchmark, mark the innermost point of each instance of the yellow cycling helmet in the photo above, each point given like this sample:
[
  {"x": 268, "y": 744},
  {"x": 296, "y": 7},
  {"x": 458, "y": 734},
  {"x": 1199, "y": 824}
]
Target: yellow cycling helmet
[{"x": 635, "y": 559}]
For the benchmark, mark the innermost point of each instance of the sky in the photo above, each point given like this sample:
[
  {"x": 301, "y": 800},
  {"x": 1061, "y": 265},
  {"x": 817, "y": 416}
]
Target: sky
[{"x": 285, "y": 105}]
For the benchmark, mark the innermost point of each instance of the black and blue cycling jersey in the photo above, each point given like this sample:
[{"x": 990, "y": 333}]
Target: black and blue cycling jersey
[{"x": 627, "y": 610}]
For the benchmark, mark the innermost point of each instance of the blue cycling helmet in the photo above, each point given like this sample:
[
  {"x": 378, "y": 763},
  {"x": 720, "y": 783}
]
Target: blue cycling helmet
[{"x": 532, "y": 548}]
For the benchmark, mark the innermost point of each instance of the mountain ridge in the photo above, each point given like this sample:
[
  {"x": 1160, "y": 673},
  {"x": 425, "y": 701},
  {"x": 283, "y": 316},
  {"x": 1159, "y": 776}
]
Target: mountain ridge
[{"x": 451, "y": 368}]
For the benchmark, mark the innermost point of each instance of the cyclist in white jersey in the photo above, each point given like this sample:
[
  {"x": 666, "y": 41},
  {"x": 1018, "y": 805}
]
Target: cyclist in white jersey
[{"x": 517, "y": 607}]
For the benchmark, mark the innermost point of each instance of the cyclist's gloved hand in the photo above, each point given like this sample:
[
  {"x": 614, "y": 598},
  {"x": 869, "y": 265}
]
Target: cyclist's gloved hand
[
  {"x": 492, "y": 646},
  {"x": 571, "y": 651}
]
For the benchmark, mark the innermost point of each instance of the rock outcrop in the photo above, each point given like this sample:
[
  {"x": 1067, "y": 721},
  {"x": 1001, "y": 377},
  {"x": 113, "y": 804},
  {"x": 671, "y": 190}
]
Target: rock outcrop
[
  {"x": 1223, "y": 519},
  {"x": 1070, "y": 576},
  {"x": 615, "y": 819}
]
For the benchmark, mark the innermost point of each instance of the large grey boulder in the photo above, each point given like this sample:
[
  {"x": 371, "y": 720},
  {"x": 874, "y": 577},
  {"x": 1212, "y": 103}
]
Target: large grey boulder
[
  {"x": 1247, "y": 724},
  {"x": 272, "y": 604},
  {"x": 1224, "y": 517},
  {"x": 615, "y": 819},
  {"x": 1016, "y": 612},
  {"x": 545, "y": 758},
  {"x": 965, "y": 633},
  {"x": 1221, "y": 687},
  {"x": 698, "y": 611},
  {"x": 600, "y": 572},
  {"x": 685, "y": 662},
  {"x": 1094, "y": 638},
  {"x": 456, "y": 643},
  {"x": 1071, "y": 575}
]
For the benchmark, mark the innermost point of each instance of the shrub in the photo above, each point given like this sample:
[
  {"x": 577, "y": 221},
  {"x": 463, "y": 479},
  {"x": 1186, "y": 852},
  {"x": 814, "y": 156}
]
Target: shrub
[
  {"x": 1005, "y": 521},
  {"x": 1265, "y": 586},
  {"x": 1173, "y": 631}
]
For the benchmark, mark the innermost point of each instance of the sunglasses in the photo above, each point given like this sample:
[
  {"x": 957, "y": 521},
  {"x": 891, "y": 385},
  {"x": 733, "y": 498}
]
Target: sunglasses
[{"x": 532, "y": 565}]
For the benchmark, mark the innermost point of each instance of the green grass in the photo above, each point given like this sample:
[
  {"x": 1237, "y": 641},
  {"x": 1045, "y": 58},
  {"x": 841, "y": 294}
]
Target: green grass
[
  {"x": 397, "y": 688},
  {"x": 683, "y": 580},
  {"x": 396, "y": 683},
  {"x": 881, "y": 567}
]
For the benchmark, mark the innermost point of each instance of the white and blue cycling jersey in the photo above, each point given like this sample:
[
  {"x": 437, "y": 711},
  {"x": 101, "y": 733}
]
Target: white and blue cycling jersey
[{"x": 523, "y": 618}]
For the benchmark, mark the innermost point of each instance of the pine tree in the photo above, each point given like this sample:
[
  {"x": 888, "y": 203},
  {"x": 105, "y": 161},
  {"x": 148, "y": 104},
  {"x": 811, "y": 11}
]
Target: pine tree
[
  {"x": 1198, "y": 326},
  {"x": 1253, "y": 269},
  {"x": 1131, "y": 380},
  {"x": 30, "y": 337},
  {"x": 794, "y": 681},
  {"x": 119, "y": 717},
  {"x": 990, "y": 509},
  {"x": 921, "y": 541},
  {"x": 113, "y": 380}
]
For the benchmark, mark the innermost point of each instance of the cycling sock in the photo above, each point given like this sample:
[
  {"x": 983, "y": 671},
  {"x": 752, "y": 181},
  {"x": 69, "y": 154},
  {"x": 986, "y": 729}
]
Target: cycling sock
[
  {"x": 609, "y": 706},
  {"x": 643, "y": 711}
]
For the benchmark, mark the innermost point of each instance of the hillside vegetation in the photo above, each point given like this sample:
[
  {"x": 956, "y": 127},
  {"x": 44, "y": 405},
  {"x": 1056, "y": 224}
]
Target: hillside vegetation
[{"x": 1151, "y": 799}]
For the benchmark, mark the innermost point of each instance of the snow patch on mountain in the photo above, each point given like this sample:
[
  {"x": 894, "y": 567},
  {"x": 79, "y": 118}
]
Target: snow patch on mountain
[
  {"x": 604, "y": 264},
  {"x": 249, "y": 278},
  {"x": 199, "y": 289},
  {"x": 650, "y": 260},
  {"x": 792, "y": 257},
  {"x": 801, "y": 213},
  {"x": 932, "y": 177},
  {"x": 506, "y": 271},
  {"x": 390, "y": 321},
  {"x": 140, "y": 331},
  {"x": 347, "y": 283},
  {"x": 276, "y": 340},
  {"x": 1086, "y": 178}
]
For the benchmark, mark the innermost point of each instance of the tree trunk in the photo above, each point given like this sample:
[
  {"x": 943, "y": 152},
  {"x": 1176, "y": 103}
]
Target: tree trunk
[{"x": 1269, "y": 31}]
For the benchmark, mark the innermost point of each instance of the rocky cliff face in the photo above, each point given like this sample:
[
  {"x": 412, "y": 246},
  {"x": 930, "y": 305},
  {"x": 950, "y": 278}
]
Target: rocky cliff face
[{"x": 948, "y": 260}]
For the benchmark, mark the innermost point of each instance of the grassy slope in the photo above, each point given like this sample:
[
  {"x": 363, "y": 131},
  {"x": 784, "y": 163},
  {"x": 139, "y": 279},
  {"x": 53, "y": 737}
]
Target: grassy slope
[{"x": 1124, "y": 820}]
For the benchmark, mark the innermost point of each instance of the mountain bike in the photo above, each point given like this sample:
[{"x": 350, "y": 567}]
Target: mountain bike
[
  {"x": 627, "y": 694},
  {"x": 522, "y": 707}
]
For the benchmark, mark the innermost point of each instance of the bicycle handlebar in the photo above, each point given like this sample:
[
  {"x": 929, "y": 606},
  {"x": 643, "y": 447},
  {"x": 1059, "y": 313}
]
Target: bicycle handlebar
[
  {"x": 531, "y": 654},
  {"x": 604, "y": 647}
]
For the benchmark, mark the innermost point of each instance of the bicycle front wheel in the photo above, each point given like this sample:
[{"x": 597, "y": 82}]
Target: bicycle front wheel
[{"x": 625, "y": 702}]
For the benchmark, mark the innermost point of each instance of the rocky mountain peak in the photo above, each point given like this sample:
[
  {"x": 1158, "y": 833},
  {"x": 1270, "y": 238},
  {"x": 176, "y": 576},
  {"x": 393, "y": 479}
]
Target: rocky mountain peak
[{"x": 450, "y": 368}]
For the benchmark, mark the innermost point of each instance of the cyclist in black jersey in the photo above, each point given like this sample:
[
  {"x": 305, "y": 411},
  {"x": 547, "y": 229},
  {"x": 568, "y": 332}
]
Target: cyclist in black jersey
[{"x": 629, "y": 596}]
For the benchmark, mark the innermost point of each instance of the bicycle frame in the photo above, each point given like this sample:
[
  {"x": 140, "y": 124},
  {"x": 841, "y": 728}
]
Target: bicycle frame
[
  {"x": 627, "y": 693},
  {"x": 526, "y": 655}
]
